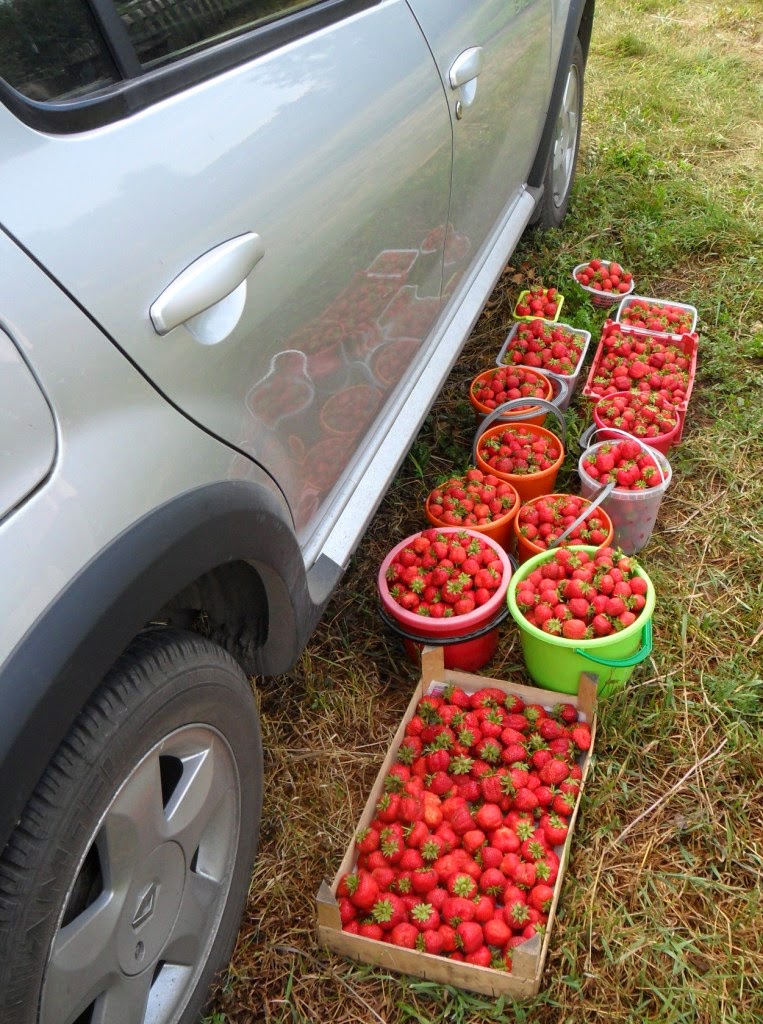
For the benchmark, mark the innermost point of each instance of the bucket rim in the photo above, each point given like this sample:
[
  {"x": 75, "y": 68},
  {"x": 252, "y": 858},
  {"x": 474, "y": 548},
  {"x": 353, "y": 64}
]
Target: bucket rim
[
  {"x": 594, "y": 644},
  {"x": 620, "y": 493},
  {"x": 438, "y": 628}
]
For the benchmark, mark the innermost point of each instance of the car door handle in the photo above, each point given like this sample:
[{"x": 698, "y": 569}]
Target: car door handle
[
  {"x": 463, "y": 74},
  {"x": 207, "y": 281}
]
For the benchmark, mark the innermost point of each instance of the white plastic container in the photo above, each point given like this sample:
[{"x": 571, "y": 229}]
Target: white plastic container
[
  {"x": 599, "y": 298},
  {"x": 633, "y": 513},
  {"x": 683, "y": 306},
  {"x": 570, "y": 380}
]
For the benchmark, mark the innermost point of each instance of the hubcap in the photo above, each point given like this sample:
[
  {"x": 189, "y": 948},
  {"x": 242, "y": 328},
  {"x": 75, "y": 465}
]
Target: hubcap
[
  {"x": 144, "y": 907},
  {"x": 563, "y": 159}
]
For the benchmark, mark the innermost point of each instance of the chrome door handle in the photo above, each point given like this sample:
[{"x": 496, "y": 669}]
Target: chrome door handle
[
  {"x": 463, "y": 74},
  {"x": 207, "y": 281}
]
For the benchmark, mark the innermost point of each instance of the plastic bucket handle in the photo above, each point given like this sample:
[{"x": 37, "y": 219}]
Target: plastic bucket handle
[
  {"x": 593, "y": 429},
  {"x": 443, "y": 641},
  {"x": 586, "y": 512},
  {"x": 635, "y": 659},
  {"x": 516, "y": 403}
]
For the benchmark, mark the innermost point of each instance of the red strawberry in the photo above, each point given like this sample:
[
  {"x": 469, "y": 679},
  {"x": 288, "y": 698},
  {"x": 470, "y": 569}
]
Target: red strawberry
[
  {"x": 470, "y": 936},
  {"x": 404, "y": 934},
  {"x": 555, "y": 829},
  {"x": 540, "y": 897},
  {"x": 554, "y": 772},
  {"x": 430, "y": 942},
  {"x": 496, "y": 932},
  {"x": 425, "y": 917},
  {"x": 389, "y": 910},
  {"x": 457, "y": 909},
  {"x": 581, "y": 736},
  {"x": 361, "y": 888}
]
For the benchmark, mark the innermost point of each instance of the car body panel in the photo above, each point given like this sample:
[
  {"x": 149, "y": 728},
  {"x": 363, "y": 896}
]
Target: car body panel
[
  {"x": 336, "y": 151},
  {"x": 27, "y": 429},
  {"x": 495, "y": 139},
  {"x": 122, "y": 451}
]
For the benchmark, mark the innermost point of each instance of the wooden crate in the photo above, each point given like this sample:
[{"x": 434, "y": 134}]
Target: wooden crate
[{"x": 527, "y": 959}]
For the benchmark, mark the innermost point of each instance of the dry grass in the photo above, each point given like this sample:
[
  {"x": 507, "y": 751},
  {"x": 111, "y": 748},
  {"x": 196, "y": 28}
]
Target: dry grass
[{"x": 661, "y": 916}]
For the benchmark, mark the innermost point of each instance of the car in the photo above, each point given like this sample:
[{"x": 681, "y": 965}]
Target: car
[{"x": 242, "y": 246}]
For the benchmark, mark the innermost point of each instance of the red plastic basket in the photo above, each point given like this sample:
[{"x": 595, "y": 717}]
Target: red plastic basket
[{"x": 688, "y": 343}]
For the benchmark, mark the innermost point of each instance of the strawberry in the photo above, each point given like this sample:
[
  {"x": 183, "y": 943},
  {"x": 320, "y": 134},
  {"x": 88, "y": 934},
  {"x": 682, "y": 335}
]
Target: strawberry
[
  {"x": 581, "y": 736},
  {"x": 423, "y": 880},
  {"x": 361, "y": 888},
  {"x": 388, "y": 911},
  {"x": 347, "y": 910},
  {"x": 430, "y": 942},
  {"x": 367, "y": 840},
  {"x": 554, "y": 772},
  {"x": 403, "y": 934},
  {"x": 369, "y": 929},
  {"x": 425, "y": 917},
  {"x": 492, "y": 882},
  {"x": 470, "y": 936},
  {"x": 462, "y": 884},
  {"x": 541, "y": 897},
  {"x": 481, "y": 957},
  {"x": 555, "y": 829},
  {"x": 516, "y": 913},
  {"x": 457, "y": 909},
  {"x": 489, "y": 817},
  {"x": 496, "y": 932}
]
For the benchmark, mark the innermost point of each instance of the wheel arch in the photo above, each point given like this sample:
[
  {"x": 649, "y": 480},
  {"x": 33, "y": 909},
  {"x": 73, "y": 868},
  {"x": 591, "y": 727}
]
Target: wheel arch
[
  {"x": 579, "y": 26},
  {"x": 230, "y": 537}
]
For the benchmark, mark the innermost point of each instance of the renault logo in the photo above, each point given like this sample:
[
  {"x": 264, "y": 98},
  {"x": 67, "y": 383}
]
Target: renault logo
[{"x": 146, "y": 905}]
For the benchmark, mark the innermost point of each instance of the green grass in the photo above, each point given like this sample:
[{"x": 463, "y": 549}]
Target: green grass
[{"x": 661, "y": 917}]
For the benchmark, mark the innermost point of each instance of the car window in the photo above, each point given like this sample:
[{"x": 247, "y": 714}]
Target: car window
[
  {"x": 52, "y": 49},
  {"x": 163, "y": 30}
]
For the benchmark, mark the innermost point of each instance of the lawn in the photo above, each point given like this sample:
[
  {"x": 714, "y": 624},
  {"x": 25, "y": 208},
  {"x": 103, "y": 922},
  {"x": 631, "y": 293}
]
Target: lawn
[{"x": 661, "y": 917}]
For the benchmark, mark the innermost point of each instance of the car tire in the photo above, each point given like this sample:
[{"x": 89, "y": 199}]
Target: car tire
[
  {"x": 560, "y": 170},
  {"x": 122, "y": 888}
]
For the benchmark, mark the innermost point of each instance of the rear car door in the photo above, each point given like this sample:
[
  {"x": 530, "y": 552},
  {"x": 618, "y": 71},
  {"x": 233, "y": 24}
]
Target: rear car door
[
  {"x": 494, "y": 59},
  {"x": 249, "y": 198}
]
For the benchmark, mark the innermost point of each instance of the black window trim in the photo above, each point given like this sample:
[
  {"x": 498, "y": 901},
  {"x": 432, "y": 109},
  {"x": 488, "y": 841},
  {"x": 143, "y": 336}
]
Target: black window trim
[{"x": 141, "y": 89}]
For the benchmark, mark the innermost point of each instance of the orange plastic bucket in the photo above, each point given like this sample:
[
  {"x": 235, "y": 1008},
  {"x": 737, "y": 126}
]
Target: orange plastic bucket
[
  {"x": 527, "y": 485},
  {"x": 525, "y": 548},
  {"x": 525, "y": 411},
  {"x": 501, "y": 531}
]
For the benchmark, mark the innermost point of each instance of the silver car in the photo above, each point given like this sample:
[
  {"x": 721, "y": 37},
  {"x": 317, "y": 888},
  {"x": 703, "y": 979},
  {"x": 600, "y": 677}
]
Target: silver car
[{"x": 242, "y": 245}]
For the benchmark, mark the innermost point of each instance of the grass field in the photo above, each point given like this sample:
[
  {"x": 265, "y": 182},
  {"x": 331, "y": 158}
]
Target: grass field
[{"x": 661, "y": 917}]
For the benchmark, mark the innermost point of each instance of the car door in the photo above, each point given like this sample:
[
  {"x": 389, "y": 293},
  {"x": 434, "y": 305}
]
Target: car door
[
  {"x": 262, "y": 237},
  {"x": 494, "y": 59}
]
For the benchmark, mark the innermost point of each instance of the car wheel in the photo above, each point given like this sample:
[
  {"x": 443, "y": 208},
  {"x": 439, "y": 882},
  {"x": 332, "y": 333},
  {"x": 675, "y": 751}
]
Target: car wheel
[
  {"x": 122, "y": 887},
  {"x": 560, "y": 172}
]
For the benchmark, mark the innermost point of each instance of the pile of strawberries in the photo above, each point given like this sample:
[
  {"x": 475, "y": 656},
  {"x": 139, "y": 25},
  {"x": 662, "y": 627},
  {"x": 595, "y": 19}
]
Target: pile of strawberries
[
  {"x": 547, "y": 346},
  {"x": 543, "y": 520},
  {"x": 505, "y": 384},
  {"x": 472, "y": 499},
  {"x": 441, "y": 574},
  {"x": 645, "y": 414},
  {"x": 518, "y": 450},
  {"x": 538, "y": 302},
  {"x": 580, "y": 596},
  {"x": 639, "y": 362},
  {"x": 605, "y": 276},
  {"x": 462, "y": 854},
  {"x": 628, "y": 463},
  {"x": 663, "y": 317}
]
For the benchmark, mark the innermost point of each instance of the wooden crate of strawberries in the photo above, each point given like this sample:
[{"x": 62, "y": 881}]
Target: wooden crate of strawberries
[{"x": 455, "y": 870}]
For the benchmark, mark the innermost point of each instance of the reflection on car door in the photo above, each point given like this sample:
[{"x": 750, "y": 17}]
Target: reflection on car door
[
  {"x": 335, "y": 151},
  {"x": 499, "y": 51}
]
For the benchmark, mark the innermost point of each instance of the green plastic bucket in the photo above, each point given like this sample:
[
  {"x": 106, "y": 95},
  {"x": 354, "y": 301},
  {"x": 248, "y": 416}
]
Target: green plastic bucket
[{"x": 555, "y": 663}]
